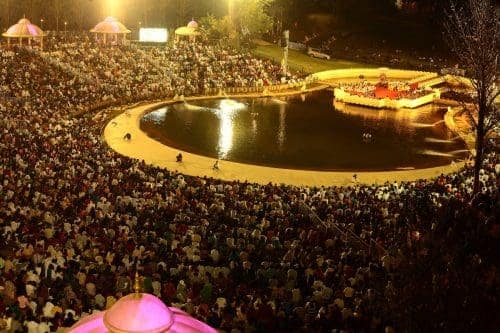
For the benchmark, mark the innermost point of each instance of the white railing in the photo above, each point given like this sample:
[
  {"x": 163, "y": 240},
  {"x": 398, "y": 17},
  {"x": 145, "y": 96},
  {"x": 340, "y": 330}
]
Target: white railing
[{"x": 302, "y": 84}]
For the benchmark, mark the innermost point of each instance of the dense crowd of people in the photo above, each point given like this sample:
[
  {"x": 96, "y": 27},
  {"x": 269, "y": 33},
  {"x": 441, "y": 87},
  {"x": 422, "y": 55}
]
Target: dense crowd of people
[
  {"x": 77, "y": 220},
  {"x": 184, "y": 68}
]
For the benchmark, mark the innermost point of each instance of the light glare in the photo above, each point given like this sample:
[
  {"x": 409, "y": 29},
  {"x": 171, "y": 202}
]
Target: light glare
[{"x": 112, "y": 8}]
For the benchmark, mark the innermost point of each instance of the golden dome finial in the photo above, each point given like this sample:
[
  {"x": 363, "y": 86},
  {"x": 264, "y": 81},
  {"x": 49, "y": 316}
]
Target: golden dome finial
[{"x": 137, "y": 283}]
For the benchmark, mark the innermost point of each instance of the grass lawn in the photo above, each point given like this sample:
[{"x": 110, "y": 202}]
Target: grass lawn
[{"x": 300, "y": 61}]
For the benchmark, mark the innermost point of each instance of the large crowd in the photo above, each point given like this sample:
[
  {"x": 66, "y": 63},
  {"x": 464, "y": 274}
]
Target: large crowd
[
  {"x": 77, "y": 220},
  {"x": 184, "y": 68}
]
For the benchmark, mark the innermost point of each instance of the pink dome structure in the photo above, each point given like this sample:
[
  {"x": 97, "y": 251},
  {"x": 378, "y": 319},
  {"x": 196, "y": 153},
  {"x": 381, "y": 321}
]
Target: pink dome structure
[
  {"x": 192, "y": 24},
  {"x": 190, "y": 31},
  {"x": 24, "y": 29},
  {"x": 141, "y": 313},
  {"x": 110, "y": 26}
]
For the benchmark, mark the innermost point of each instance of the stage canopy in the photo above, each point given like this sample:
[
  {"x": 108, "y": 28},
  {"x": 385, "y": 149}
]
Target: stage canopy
[{"x": 24, "y": 29}]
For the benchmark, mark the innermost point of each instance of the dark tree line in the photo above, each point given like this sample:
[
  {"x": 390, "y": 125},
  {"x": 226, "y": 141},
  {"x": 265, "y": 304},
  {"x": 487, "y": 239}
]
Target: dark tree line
[
  {"x": 82, "y": 14},
  {"x": 171, "y": 13}
]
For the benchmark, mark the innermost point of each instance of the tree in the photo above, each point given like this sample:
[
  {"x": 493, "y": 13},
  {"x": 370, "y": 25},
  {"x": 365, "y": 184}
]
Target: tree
[
  {"x": 472, "y": 33},
  {"x": 7, "y": 13},
  {"x": 250, "y": 18},
  {"x": 58, "y": 10},
  {"x": 214, "y": 28},
  {"x": 78, "y": 14},
  {"x": 183, "y": 11},
  {"x": 246, "y": 19},
  {"x": 285, "y": 13}
]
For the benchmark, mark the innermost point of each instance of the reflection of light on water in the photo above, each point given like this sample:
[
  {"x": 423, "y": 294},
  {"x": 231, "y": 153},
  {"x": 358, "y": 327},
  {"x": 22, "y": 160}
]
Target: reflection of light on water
[
  {"x": 454, "y": 152},
  {"x": 282, "y": 127},
  {"x": 402, "y": 115},
  {"x": 225, "y": 134},
  {"x": 405, "y": 120},
  {"x": 193, "y": 107},
  {"x": 225, "y": 112},
  {"x": 421, "y": 125},
  {"x": 426, "y": 124},
  {"x": 434, "y": 140},
  {"x": 434, "y": 153},
  {"x": 157, "y": 116},
  {"x": 278, "y": 101},
  {"x": 228, "y": 105}
]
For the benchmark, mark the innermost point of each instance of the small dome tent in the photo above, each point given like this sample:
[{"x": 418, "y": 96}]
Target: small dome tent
[
  {"x": 190, "y": 31},
  {"x": 22, "y": 30},
  {"x": 110, "y": 30}
]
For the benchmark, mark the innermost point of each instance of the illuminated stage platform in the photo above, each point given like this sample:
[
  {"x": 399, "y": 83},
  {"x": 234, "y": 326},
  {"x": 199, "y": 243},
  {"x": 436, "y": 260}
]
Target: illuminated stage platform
[
  {"x": 385, "y": 103},
  {"x": 383, "y": 88}
]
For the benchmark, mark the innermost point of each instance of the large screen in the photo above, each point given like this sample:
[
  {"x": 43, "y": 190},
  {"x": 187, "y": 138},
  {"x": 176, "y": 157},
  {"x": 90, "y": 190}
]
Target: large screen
[{"x": 157, "y": 35}]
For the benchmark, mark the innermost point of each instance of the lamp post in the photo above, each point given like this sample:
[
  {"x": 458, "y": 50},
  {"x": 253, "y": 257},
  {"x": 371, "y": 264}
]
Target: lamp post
[
  {"x": 286, "y": 37},
  {"x": 41, "y": 23},
  {"x": 65, "y": 27}
]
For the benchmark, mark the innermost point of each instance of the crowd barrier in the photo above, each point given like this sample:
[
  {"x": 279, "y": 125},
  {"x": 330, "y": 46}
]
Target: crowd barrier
[
  {"x": 207, "y": 92},
  {"x": 260, "y": 89}
]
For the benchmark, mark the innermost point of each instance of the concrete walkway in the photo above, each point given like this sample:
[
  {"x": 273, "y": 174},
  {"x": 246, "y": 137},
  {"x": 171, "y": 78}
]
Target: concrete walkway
[{"x": 153, "y": 152}]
